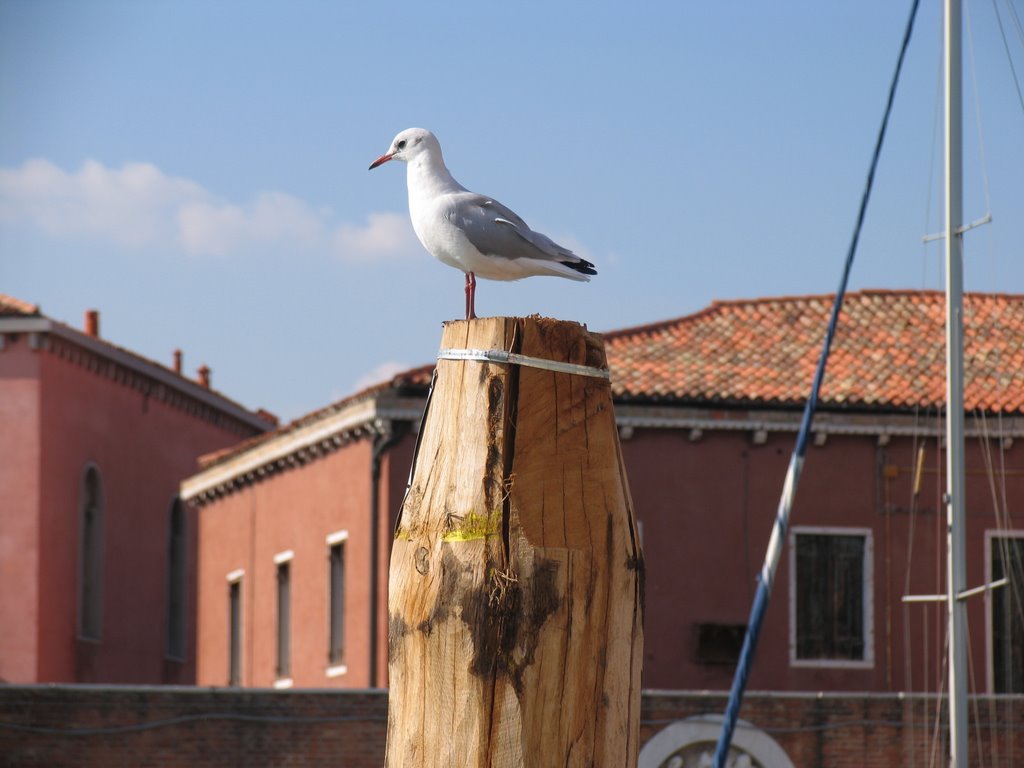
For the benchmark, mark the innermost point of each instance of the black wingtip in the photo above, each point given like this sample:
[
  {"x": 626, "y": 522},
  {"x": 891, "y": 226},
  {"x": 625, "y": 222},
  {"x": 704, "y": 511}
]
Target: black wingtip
[{"x": 582, "y": 266}]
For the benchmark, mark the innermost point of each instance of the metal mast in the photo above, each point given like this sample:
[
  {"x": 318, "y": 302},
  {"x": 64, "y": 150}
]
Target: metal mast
[{"x": 955, "y": 538}]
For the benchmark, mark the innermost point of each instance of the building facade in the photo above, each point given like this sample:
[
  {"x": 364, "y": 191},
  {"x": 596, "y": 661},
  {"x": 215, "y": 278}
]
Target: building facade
[
  {"x": 295, "y": 526},
  {"x": 97, "y": 551},
  {"x": 296, "y": 531}
]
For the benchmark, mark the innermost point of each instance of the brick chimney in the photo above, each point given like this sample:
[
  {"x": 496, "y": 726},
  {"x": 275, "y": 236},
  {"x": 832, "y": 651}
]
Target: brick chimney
[
  {"x": 177, "y": 361},
  {"x": 204, "y": 376},
  {"x": 267, "y": 416},
  {"x": 92, "y": 323}
]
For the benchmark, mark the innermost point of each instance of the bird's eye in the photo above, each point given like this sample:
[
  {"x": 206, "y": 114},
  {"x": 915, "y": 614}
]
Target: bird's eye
[{"x": 401, "y": 145}]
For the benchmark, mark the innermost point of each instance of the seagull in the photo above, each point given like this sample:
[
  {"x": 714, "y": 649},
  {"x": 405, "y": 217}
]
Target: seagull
[{"x": 472, "y": 232}]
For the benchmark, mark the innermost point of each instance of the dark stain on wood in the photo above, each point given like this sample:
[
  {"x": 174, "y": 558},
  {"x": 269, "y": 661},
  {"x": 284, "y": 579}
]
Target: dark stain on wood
[{"x": 506, "y": 631}]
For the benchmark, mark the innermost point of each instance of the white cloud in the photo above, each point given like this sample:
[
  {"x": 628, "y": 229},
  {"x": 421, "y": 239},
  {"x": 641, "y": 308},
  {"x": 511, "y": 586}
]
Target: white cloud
[
  {"x": 386, "y": 235},
  {"x": 217, "y": 228},
  {"x": 210, "y": 228},
  {"x": 138, "y": 205},
  {"x": 383, "y": 372},
  {"x": 131, "y": 206}
]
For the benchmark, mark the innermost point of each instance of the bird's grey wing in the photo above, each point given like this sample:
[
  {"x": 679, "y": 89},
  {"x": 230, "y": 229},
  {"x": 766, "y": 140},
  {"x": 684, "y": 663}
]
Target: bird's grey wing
[{"x": 496, "y": 230}]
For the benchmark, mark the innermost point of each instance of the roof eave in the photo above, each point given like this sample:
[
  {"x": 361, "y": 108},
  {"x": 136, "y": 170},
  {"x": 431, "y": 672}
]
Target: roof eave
[
  {"x": 368, "y": 414},
  {"x": 44, "y": 325},
  {"x": 709, "y": 416}
]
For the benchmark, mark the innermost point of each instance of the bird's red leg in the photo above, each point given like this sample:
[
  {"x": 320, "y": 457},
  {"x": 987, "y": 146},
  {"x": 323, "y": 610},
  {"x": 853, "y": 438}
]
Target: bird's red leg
[{"x": 470, "y": 296}]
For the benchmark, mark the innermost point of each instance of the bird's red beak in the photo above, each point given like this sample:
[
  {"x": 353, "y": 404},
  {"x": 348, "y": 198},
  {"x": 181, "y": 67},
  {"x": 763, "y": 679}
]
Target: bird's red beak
[{"x": 380, "y": 161}]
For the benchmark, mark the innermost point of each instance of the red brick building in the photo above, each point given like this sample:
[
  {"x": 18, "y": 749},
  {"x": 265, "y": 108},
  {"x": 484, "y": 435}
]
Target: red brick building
[
  {"x": 97, "y": 552},
  {"x": 295, "y": 525}
]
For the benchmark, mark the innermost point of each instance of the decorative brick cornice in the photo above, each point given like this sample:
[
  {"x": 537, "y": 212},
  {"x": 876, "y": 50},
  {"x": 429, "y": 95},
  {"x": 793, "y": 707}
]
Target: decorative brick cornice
[
  {"x": 291, "y": 447},
  {"x": 152, "y": 380}
]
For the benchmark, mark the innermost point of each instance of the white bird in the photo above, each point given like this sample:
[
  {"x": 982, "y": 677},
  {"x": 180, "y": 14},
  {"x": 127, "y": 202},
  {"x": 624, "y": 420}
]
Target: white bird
[{"x": 471, "y": 232}]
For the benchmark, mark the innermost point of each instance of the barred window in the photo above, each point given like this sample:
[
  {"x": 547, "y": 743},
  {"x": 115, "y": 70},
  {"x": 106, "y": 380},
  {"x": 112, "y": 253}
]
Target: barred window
[{"x": 830, "y": 620}]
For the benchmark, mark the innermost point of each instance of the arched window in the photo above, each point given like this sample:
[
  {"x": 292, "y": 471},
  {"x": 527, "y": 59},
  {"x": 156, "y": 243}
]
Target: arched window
[
  {"x": 176, "y": 574},
  {"x": 692, "y": 742},
  {"x": 90, "y": 556}
]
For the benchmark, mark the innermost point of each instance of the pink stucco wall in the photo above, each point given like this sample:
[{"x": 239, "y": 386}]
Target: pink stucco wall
[
  {"x": 19, "y": 500},
  {"x": 66, "y": 413},
  {"x": 295, "y": 510},
  {"x": 706, "y": 508}
]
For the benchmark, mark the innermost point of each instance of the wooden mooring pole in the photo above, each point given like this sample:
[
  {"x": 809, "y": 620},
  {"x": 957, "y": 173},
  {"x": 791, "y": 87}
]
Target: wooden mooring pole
[{"x": 516, "y": 584}]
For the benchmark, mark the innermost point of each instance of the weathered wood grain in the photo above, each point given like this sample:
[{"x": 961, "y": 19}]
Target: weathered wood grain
[{"x": 516, "y": 579}]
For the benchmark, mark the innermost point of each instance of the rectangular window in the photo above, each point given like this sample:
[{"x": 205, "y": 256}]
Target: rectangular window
[
  {"x": 1007, "y": 558},
  {"x": 176, "y": 586},
  {"x": 336, "y": 598},
  {"x": 90, "y": 583},
  {"x": 830, "y": 597},
  {"x": 284, "y": 615},
  {"x": 235, "y": 628}
]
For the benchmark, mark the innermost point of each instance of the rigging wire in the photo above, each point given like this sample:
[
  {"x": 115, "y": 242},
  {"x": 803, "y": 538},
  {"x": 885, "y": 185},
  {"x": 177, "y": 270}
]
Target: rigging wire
[
  {"x": 973, "y": 685},
  {"x": 1016, "y": 20},
  {"x": 940, "y": 694},
  {"x": 977, "y": 109},
  {"x": 933, "y": 158},
  {"x": 1016, "y": 592},
  {"x": 984, "y": 439},
  {"x": 1010, "y": 554},
  {"x": 986, "y": 453},
  {"x": 775, "y": 544},
  {"x": 916, "y": 448},
  {"x": 929, "y": 612},
  {"x": 1006, "y": 45},
  {"x": 938, "y": 610}
]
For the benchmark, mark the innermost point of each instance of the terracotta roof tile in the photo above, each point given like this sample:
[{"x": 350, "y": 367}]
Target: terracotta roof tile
[
  {"x": 889, "y": 351},
  {"x": 11, "y": 306}
]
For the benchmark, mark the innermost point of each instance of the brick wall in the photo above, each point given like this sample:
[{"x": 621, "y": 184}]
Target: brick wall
[
  {"x": 133, "y": 727},
  {"x": 55, "y": 726},
  {"x": 850, "y": 730}
]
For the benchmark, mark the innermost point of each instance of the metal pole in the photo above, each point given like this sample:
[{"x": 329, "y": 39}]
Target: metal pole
[{"x": 955, "y": 534}]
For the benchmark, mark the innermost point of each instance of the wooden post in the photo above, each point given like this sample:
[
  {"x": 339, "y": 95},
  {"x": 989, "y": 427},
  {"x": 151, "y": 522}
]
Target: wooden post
[{"x": 516, "y": 584}]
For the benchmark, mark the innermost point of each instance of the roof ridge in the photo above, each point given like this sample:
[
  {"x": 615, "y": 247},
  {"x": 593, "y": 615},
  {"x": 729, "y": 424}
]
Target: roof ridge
[
  {"x": 403, "y": 378},
  {"x": 719, "y": 304},
  {"x": 714, "y": 306},
  {"x": 20, "y": 306},
  {"x": 120, "y": 355}
]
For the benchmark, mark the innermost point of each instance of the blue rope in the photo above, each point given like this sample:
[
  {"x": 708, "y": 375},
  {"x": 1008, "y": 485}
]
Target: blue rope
[{"x": 775, "y": 543}]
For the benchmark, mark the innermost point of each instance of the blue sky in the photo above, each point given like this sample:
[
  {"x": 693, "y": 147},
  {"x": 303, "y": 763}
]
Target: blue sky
[{"x": 198, "y": 171}]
